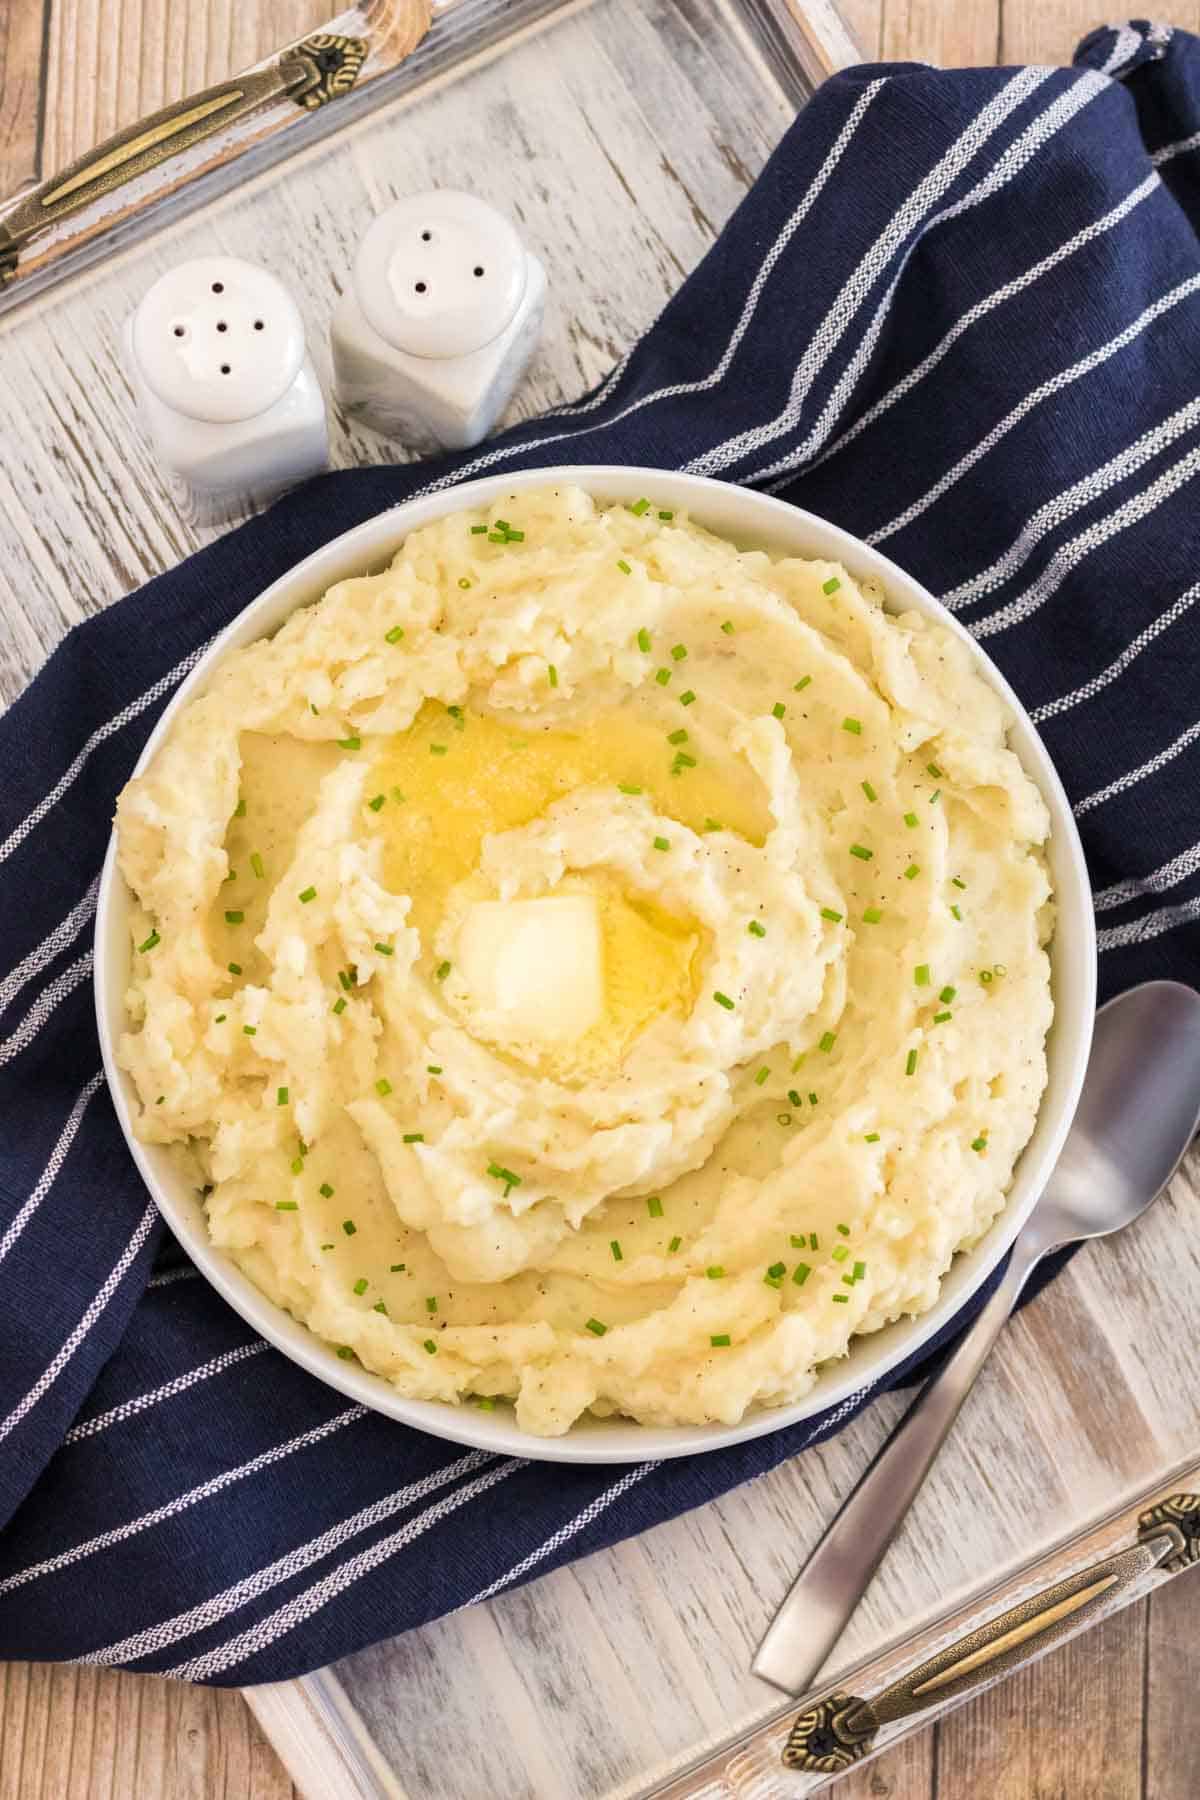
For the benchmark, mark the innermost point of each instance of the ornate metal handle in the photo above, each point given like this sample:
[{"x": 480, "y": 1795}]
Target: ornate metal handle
[
  {"x": 310, "y": 73},
  {"x": 840, "y": 1728}
]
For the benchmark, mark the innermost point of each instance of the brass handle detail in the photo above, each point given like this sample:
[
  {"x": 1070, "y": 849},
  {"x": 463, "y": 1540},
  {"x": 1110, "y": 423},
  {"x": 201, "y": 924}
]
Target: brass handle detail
[
  {"x": 840, "y": 1728},
  {"x": 312, "y": 72}
]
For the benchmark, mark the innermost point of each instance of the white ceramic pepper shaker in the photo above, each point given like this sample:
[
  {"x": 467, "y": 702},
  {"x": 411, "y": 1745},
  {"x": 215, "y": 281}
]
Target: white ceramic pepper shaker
[
  {"x": 439, "y": 321},
  {"x": 227, "y": 391}
]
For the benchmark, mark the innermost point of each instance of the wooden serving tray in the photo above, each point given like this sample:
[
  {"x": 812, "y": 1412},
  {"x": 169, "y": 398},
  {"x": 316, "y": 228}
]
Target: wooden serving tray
[{"x": 627, "y": 1674}]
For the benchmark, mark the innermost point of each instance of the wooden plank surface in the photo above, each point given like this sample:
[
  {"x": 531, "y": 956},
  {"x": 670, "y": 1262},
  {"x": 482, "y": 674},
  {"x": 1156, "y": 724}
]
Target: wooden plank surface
[{"x": 1112, "y": 1717}]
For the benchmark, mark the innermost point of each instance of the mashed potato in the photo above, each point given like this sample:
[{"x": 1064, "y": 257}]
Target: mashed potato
[{"x": 590, "y": 964}]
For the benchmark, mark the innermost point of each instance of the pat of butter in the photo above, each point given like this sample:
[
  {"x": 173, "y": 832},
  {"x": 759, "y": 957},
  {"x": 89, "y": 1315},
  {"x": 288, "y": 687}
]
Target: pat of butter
[{"x": 537, "y": 964}]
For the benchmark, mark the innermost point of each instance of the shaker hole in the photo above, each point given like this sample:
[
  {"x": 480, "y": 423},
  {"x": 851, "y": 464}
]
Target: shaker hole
[
  {"x": 426, "y": 236},
  {"x": 478, "y": 269},
  {"x": 221, "y": 325},
  {"x": 225, "y": 369},
  {"x": 420, "y": 286},
  {"x": 258, "y": 324},
  {"x": 218, "y": 287},
  {"x": 179, "y": 331}
]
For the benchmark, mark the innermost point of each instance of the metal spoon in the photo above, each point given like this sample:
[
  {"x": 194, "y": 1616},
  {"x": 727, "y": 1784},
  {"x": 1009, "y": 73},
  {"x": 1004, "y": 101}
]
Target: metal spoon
[{"x": 1137, "y": 1114}]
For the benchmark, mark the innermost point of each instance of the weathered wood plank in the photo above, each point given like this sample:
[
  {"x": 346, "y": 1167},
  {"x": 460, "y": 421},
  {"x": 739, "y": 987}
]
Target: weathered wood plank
[
  {"x": 1172, "y": 1756},
  {"x": 954, "y": 36}
]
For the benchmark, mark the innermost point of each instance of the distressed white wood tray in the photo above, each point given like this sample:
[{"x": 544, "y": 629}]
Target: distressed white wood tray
[{"x": 635, "y": 124}]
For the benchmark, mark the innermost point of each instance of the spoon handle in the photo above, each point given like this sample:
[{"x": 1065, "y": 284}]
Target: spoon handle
[{"x": 837, "y": 1574}]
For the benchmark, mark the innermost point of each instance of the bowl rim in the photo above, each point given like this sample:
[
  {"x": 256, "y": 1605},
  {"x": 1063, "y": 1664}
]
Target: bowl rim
[{"x": 871, "y": 1357}]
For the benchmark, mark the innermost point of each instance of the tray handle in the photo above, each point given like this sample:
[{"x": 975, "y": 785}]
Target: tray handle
[
  {"x": 317, "y": 69},
  {"x": 839, "y": 1729}
]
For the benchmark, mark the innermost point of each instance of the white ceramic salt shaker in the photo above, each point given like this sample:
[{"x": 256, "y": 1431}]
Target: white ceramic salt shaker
[
  {"x": 227, "y": 391},
  {"x": 439, "y": 321}
]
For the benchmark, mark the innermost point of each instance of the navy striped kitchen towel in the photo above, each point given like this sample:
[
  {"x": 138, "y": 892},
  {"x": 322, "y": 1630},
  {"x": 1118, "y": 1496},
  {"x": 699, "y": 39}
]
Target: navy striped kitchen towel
[{"x": 959, "y": 314}]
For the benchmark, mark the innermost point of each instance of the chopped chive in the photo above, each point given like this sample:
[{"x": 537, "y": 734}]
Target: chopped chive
[
  {"x": 955, "y": 882},
  {"x": 776, "y": 1269},
  {"x": 800, "y": 685},
  {"x": 154, "y": 939},
  {"x": 666, "y": 515},
  {"x": 935, "y": 796},
  {"x": 433, "y": 1068},
  {"x": 713, "y": 825},
  {"x": 861, "y": 851},
  {"x": 839, "y": 1253},
  {"x": 727, "y": 627},
  {"x": 674, "y": 1244},
  {"x": 624, "y": 566},
  {"x": 999, "y": 969},
  {"x": 442, "y": 970},
  {"x": 911, "y": 820},
  {"x": 801, "y": 1273},
  {"x": 854, "y": 725},
  {"x": 872, "y": 1137},
  {"x": 912, "y": 871},
  {"x": 843, "y": 1231},
  {"x": 383, "y": 1087},
  {"x": 831, "y": 586},
  {"x": 380, "y": 1306},
  {"x": 678, "y": 652},
  {"x": 627, "y": 787},
  {"x": 595, "y": 1327},
  {"x": 947, "y": 994},
  {"x": 232, "y": 875},
  {"x": 639, "y": 507},
  {"x": 552, "y": 674},
  {"x": 770, "y": 1280},
  {"x": 662, "y": 676},
  {"x": 868, "y": 790},
  {"x": 682, "y": 761},
  {"x": 463, "y": 582},
  {"x": 957, "y": 913},
  {"x": 256, "y": 863},
  {"x": 677, "y": 737},
  {"x": 910, "y": 1063},
  {"x": 934, "y": 771},
  {"x": 486, "y": 1403},
  {"x": 394, "y": 635},
  {"x": 813, "y": 1241},
  {"x": 250, "y": 1030},
  {"x": 499, "y": 1173},
  {"x": 686, "y": 699},
  {"x": 360, "y": 1286},
  {"x": 345, "y": 1352},
  {"x": 756, "y": 930},
  {"x": 813, "y": 1099},
  {"x": 979, "y": 1144},
  {"x": 985, "y": 975},
  {"x": 397, "y": 1268},
  {"x": 220, "y": 1018},
  {"x": 349, "y": 743},
  {"x": 349, "y": 1227},
  {"x": 239, "y": 811},
  {"x": 859, "y": 1270},
  {"x": 778, "y": 710},
  {"x": 376, "y": 803},
  {"x": 281, "y": 1096},
  {"x": 643, "y": 639},
  {"x": 414, "y": 1137},
  {"x": 939, "y": 1018},
  {"x": 287, "y": 1206},
  {"x": 827, "y": 912},
  {"x": 478, "y": 530},
  {"x": 763, "y": 1075},
  {"x": 431, "y": 1304},
  {"x": 386, "y": 949},
  {"x": 828, "y": 1040},
  {"x": 662, "y": 843},
  {"x": 794, "y": 1097},
  {"x": 727, "y": 1003},
  {"x": 430, "y": 1347},
  {"x": 438, "y": 749},
  {"x": 798, "y": 1243},
  {"x": 234, "y": 968},
  {"x": 617, "y": 1253},
  {"x": 307, "y": 894},
  {"x": 715, "y": 1271},
  {"x": 654, "y": 1207},
  {"x": 397, "y": 796},
  {"x": 921, "y": 974},
  {"x": 325, "y": 1191},
  {"x": 783, "y": 1118},
  {"x": 720, "y": 1341},
  {"x": 297, "y": 1165},
  {"x": 234, "y": 918}
]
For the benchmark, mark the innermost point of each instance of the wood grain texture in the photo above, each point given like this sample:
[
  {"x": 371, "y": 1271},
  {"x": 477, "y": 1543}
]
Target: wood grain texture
[
  {"x": 84, "y": 516},
  {"x": 22, "y": 31}
]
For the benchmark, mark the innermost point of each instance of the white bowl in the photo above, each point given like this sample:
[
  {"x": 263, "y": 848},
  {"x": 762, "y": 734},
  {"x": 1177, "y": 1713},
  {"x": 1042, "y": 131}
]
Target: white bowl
[{"x": 754, "y": 521}]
